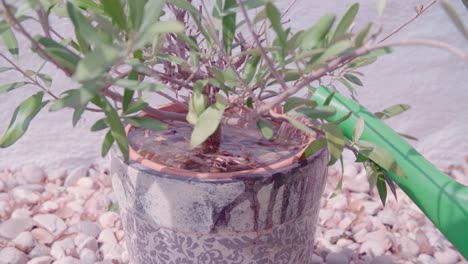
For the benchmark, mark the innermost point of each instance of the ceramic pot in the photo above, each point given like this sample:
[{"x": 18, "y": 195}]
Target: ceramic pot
[{"x": 264, "y": 215}]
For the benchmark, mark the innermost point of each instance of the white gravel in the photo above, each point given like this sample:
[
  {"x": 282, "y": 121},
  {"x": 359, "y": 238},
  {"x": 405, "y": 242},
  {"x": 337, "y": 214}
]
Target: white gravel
[{"x": 51, "y": 216}]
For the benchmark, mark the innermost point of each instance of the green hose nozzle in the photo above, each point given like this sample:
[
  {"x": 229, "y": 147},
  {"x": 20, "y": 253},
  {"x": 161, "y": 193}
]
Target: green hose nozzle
[{"x": 442, "y": 199}]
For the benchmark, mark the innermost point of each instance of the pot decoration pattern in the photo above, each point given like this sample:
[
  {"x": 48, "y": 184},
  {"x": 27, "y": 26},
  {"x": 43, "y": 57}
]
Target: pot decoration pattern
[{"x": 262, "y": 218}]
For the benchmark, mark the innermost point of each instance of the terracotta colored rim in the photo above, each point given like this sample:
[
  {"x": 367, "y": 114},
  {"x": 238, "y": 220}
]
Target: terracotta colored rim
[{"x": 206, "y": 175}]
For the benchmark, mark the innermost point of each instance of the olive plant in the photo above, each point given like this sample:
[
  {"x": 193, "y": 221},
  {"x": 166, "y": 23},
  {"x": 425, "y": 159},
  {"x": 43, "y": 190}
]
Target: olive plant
[{"x": 236, "y": 56}]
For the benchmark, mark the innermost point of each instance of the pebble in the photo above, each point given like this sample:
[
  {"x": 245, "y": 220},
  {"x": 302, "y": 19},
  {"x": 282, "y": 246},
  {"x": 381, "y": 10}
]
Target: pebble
[
  {"x": 387, "y": 217},
  {"x": 86, "y": 227},
  {"x": 57, "y": 174},
  {"x": 372, "y": 248},
  {"x": 33, "y": 174},
  {"x": 75, "y": 175},
  {"x": 39, "y": 250},
  {"x": 107, "y": 237},
  {"x": 12, "y": 227},
  {"x": 25, "y": 196},
  {"x": 86, "y": 182},
  {"x": 67, "y": 260},
  {"x": 41, "y": 260},
  {"x": 62, "y": 248},
  {"x": 39, "y": 188},
  {"x": 371, "y": 207},
  {"x": 333, "y": 235},
  {"x": 87, "y": 256},
  {"x": 2, "y": 186},
  {"x": 24, "y": 241},
  {"x": 51, "y": 223},
  {"x": 427, "y": 259},
  {"x": 42, "y": 235},
  {"x": 448, "y": 256},
  {"x": 336, "y": 258},
  {"x": 49, "y": 207},
  {"x": 408, "y": 248},
  {"x": 383, "y": 260},
  {"x": 108, "y": 219},
  {"x": 11, "y": 255}
]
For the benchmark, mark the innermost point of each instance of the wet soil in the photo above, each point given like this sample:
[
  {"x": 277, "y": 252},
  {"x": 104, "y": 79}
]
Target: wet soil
[{"x": 241, "y": 148}]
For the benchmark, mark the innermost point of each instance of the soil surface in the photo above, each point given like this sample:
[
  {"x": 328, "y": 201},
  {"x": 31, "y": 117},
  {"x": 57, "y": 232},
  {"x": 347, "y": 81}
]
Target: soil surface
[{"x": 242, "y": 148}]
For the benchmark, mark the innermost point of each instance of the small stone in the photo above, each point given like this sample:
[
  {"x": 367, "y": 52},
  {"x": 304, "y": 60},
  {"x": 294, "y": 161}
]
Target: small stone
[
  {"x": 87, "y": 256},
  {"x": 39, "y": 250},
  {"x": 67, "y": 260},
  {"x": 336, "y": 258},
  {"x": 343, "y": 242},
  {"x": 51, "y": 223},
  {"x": 4, "y": 209},
  {"x": 427, "y": 259},
  {"x": 409, "y": 249},
  {"x": 371, "y": 207},
  {"x": 39, "y": 188},
  {"x": 21, "y": 213},
  {"x": 24, "y": 241},
  {"x": 448, "y": 256},
  {"x": 86, "y": 227},
  {"x": 108, "y": 219},
  {"x": 75, "y": 175},
  {"x": 372, "y": 248},
  {"x": 316, "y": 259},
  {"x": 2, "y": 186},
  {"x": 88, "y": 243},
  {"x": 57, "y": 174},
  {"x": 119, "y": 234},
  {"x": 107, "y": 237},
  {"x": 333, "y": 235},
  {"x": 350, "y": 170},
  {"x": 41, "y": 260},
  {"x": 423, "y": 243},
  {"x": 111, "y": 251},
  {"x": 49, "y": 207},
  {"x": 383, "y": 260},
  {"x": 33, "y": 174},
  {"x": 387, "y": 217},
  {"x": 86, "y": 182},
  {"x": 125, "y": 257},
  {"x": 345, "y": 223},
  {"x": 11, "y": 255},
  {"x": 62, "y": 248},
  {"x": 358, "y": 184},
  {"x": 43, "y": 236},
  {"x": 360, "y": 236},
  {"x": 25, "y": 196},
  {"x": 12, "y": 227},
  {"x": 338, "y": 203}
]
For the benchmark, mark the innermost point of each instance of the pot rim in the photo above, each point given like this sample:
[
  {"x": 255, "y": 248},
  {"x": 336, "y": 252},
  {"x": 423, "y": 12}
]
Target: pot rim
[{"x": 282, "y": 165}]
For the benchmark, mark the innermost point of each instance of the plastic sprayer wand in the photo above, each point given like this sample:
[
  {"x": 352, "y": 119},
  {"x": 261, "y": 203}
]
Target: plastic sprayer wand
[{"x": 443, "y": 200}]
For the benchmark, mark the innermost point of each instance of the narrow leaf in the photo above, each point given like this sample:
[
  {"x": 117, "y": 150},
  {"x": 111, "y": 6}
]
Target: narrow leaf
[
  {"x": 358, "y": 129},
  {"x": 10, "y": 42},
  {"x": 294, "y": 102},
  {"x": 314, "y": 147},
  {"x": 455, "y": 18},
  {"x": 250, "y": 68},
  {"x": 22, "y": 116},
  {"x": 146, "y": 122},
  {"x": 59, "y": 53},
  {"x": 381, "y": 4},
  {"x": 114, "y": 9},
  {"x": 265, "y": 127},
  {"x": 96, "y": 63},
  {"x": 339, "y": 186},
  {"x": 361, "y": 36},
  {"x": 229, "y": 26},
  {"x": 353, "y": 79},
  {"x": 11, "y": 86},
  {"x": 380, "y": 156},
  {"x": 314, "y": 112},
  {"x": 347, "y": 20},
  {"x": 317, "y": 33},
  {"x": 99, "y": 125},
  {"x": 206, "y": 124},
  {"x": 382, "y": 188},
  {"x": 392, "y": 111},
  {"x": 136, "y": 10},
  {"x": 335, "y": 141},
  {"x": 107, "y": 143},
  {"x": 274, "y": 16}
]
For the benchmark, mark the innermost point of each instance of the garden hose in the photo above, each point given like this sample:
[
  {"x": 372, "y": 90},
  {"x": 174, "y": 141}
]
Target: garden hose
[{"x": 442, "y": 199}]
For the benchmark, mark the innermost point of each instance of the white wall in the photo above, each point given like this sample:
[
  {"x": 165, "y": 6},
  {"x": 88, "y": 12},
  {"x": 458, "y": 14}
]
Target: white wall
[{"x": 433, "y": 81}]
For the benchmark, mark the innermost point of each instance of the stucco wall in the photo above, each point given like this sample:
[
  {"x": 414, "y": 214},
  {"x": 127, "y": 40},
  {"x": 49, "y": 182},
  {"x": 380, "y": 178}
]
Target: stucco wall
[{"x": 432, "y": 81}]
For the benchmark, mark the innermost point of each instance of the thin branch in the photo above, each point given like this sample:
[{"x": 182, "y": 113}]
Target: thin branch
[
  {"x": 44, "y": 21},
  {"x": 270, "y": 65},
  {"x": 418, "y": 13}
]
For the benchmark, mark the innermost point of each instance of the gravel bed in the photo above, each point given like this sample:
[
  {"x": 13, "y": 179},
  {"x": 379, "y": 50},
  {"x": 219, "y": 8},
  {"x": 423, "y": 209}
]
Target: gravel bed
[{"x": 54, "y": 216}]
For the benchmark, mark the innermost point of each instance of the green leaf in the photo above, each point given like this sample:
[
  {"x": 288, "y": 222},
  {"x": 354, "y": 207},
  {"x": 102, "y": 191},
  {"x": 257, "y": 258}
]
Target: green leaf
[
  {"x": 392, "y": 111},
  {"x": 344, "y": 118},
  {"x": 153, "y": 10},
  {"x": 45, "y": 78},
  {"x": 107, "y": 144},
  {"x": 329, "y": 98},
  {"x": 229, "y": 26},
  {"x": 452, "y": 13},
  {"x": 274, "y": 16},
  {"x": 250, "y": 68},
  {"x": 10, "y": 41},
  {"x": 96, "y": 63},
  {"x": 195, "y": 14},
  {"x": 128, "y": 93},
  {"x": 361, "y": 36},
  {"x": 77, "y": 114},
  {"x": 301, "y": 126},
  {"x": 147, "y": 122},
  {"x": 372, "y": 173},
  {"x": 382, "y": 188},
  {"x": 358, "y": 129},
  {"x": 59, "y": 53},
  {"x": 249, "y": 103},
  {"x": 11, "y": 86},
  {"x": 135, "y": 85},
  {"x": 136, "y": 10},
  {"x": 198, "y": 102},
  {"x": 380, "y": 156},
  {"x": 317, "y": 33},
  {"x": 314, "y": 147},
  {"x": 381, "y": 4},
  {"x": 99, "y": 125},
  {"x": 408, "y": 136},
  {"x": 346, "y": 20},
  {"x": 87, "y": 4},
  {"x": 315, "y": 112},
  {"x": 136, "y": 107},
  {"x": 116, "y": 127},
  {"x": 390, "y": 184},
  {"x": 22, "y": 116},
  {"x": 361, "y": 62},
  {"x": 353, "y": 79},
  {"x": 4, "y": 69},
  {"x": 265, "y": 127},
  {"x": 115, "y": 10},
  {"x": 294, "y": 102},
  {"x": 335, "y": 141},
  {"x": 339, "y": 186},
  {"x": 207, "y": 124},
  {"x": 335, "y": 50}
]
